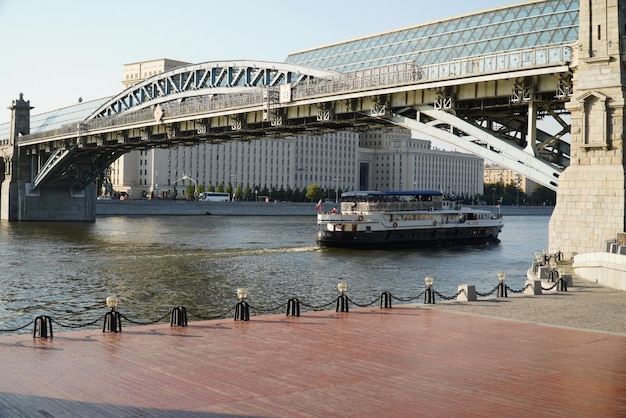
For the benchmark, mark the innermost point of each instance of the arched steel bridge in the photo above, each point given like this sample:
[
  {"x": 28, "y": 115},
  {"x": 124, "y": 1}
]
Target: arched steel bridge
[
  {"x": 207, "y": 79},
  {"x": 488, "y": 106}
]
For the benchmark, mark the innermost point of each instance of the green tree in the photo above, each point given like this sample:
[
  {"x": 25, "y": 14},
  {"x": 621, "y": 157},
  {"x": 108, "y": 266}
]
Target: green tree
[
  {"x": 314, "y": 192},
  {"x": 298, "y": 195},
  {"x": 543, "y": 196},
  {"x": 247, "y": 192},
  {"x": 289, "y": 194},
  {"x": 238, "y": 192},
  {"x": 189, "y": 191}
]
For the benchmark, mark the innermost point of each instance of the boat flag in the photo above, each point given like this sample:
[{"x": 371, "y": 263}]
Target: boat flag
[{"x": 319, "y": 205}]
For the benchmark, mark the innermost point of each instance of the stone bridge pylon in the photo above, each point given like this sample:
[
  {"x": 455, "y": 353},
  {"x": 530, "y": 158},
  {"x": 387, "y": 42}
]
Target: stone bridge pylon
[
  {"x": 591, "y": 203},
  {"x": 18, "y": 202}
]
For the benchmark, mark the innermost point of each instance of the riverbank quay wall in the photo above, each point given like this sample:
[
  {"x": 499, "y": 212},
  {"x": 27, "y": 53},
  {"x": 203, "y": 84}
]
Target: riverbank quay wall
[
  {"x": 605, "y": 268},
  {"x": 371, "y": 362},
  {"x": 191, "y": 208}
]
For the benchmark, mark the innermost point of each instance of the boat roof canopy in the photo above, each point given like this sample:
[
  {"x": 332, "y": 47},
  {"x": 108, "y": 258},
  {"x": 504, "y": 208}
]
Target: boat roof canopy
[{"x": 365, "y": 193}]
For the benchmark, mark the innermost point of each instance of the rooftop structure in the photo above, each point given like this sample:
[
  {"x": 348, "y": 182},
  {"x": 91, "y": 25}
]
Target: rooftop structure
[{"x": 520, "y": 26}]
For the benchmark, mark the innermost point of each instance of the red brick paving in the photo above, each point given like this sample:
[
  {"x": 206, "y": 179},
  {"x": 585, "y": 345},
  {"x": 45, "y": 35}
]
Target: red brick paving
[{"x": 370, "y": 362}]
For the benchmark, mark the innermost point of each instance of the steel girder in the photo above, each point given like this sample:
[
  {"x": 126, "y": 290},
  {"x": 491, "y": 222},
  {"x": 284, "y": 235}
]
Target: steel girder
[
  {"x": 478, "y": 141},
  {"x": 206, "y": 79},
  {"x": 75, "y": 167}
]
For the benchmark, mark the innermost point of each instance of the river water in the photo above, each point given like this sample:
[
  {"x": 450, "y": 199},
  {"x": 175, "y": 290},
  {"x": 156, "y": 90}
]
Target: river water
[{"x": 66, "y": 270}]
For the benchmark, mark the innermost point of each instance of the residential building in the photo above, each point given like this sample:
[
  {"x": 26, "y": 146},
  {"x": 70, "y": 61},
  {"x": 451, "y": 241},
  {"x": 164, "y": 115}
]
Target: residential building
[{"x": 493, "y": 173}]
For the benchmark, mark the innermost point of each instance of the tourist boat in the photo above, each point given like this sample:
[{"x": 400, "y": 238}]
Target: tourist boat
[{"x": 376, "y": 219}]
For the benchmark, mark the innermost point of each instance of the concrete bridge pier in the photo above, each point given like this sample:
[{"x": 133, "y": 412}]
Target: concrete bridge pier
[
  {"x": 591, "y": 199},
  {"x": 18, "y": 202}
]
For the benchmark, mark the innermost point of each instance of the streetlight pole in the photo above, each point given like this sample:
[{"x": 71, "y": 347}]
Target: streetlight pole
[
  {"x": 337, "y": 189},
  {"x": 186, "y": 177}
]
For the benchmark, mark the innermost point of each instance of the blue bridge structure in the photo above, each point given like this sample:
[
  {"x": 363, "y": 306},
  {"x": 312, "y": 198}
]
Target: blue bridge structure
[{"x": 483, "y": 82}]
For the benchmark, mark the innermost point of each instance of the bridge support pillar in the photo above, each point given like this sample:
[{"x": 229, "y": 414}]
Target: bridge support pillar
[
  {"x": 17, "y": 201},
  {"x": 531, "y": 146},
  {"x": 591, "y": 198}
]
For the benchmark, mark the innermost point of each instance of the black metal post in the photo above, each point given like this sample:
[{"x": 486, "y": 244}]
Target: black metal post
[
  {"x": 561, "y": 285},
  {"x": 342, "y": 303},
  {"x": 42, "y": 325},
  {"x": 179, "y": 317},
  {"x": 429, "y": 295},
  {"x": 385, "y": 300},
  {"x": 553, "y": 276},
  {"x": 242, "y": 311},
  {"x": 502, "y": 292},
  {"x": 112, "y": 322},
  {"x": 293, "y": 307}
]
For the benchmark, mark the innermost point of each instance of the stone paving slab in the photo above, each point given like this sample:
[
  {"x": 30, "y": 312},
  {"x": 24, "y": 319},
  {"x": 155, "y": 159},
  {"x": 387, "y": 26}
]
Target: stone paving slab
[{"x": 403, "y": 362}]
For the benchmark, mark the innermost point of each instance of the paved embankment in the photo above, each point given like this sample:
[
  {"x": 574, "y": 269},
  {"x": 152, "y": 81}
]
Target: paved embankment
[
  {"x": 423, "y": 360},
  {"x": 585, "y": 305}
]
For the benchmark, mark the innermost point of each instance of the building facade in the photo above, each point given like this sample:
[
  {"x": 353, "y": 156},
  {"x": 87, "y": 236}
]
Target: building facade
[
  {"x": 393, "y": 160},
  {"x": 495, "y": 174},
  {"x": 136, "y": 72}
]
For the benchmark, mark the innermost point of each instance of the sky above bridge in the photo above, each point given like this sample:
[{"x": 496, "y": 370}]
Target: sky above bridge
[{"x": 55, "y": 52}]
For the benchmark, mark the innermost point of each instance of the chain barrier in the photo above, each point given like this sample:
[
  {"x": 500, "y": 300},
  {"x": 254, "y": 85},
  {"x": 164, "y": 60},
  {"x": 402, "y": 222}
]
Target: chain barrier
[
  {"x": 210, "y": 318},
  {"x": 549, "y": 288},
  {"x": 75, "y": 326},
  {"x": 18, "y": 328},
  {"x": 449, "y": 297},
  {"x": 408, "y": 299},
  {"x": 518, "y": 291},
  {"x": 367, "y": 305},
  {"x": 156, "y": 321},
  {"x": 489, "y": 293},
  {"x": 318, "y": 307},
  {"x": 276, "y": 308}
]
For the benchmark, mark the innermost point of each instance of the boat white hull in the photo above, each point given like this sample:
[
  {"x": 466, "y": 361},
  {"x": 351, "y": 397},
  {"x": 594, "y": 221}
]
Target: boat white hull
[{"x": 334, "y": 231}]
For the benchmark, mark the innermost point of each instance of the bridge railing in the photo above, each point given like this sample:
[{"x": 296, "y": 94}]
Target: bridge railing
[
  {"x": 408, "y": 73},
  {"x": 381, "y": 77}
]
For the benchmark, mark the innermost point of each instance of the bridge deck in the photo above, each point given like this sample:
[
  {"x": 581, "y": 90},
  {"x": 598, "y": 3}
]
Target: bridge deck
[{"x": 404, "y": 361}]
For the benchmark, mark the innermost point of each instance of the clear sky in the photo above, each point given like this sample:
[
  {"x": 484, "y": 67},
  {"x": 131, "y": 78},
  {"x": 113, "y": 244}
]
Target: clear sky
[{"x": 57, "y": 51}]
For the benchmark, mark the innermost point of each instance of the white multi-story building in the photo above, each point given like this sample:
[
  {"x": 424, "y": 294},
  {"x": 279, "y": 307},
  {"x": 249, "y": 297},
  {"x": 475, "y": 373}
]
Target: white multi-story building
[
  {"x": 393, "y": 160},
  {"x": 345, "y": 160},
  {"x": 138, "y": 71}
]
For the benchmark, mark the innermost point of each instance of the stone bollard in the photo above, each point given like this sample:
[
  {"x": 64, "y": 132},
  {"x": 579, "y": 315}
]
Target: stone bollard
[
  {"x": 532, "y": 287},
  {"x": 544, "y": 272},
  {"x": 468, "y": 294}
]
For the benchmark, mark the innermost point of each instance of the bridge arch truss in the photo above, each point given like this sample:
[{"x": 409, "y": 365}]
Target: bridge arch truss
[{"x": 209, "y": 78}]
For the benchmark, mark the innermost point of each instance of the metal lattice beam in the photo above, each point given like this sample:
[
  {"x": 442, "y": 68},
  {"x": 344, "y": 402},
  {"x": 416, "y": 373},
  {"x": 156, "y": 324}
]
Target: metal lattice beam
[
  {"x": 482, "y": 143},
  {"x": 204, "y": 79}
]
